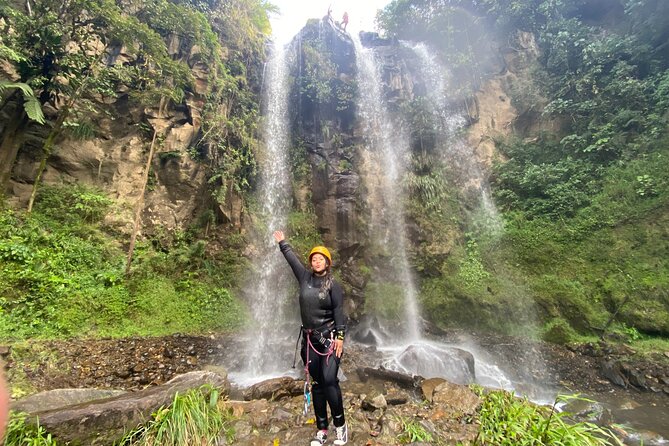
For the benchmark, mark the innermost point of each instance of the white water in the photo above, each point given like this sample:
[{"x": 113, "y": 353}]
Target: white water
[
  {"x": 387, "y": 150},
  {"x": 266, "y": 344},
  {"x": 456, "y": 152},
  {"x": 429, "y": 358}
]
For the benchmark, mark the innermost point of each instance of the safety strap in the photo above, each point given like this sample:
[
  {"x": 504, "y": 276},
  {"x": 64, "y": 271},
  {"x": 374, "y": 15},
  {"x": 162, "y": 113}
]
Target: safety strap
[{"x": 307, "y": 378}]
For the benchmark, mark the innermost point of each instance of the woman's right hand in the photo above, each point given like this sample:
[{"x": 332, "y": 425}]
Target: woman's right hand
[{"x": 278, "y": 236}]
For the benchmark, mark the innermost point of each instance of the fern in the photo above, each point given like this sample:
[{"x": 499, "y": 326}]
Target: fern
[
  {"x": 31, "y": 105},
  {"x": 34, "y": 109}
]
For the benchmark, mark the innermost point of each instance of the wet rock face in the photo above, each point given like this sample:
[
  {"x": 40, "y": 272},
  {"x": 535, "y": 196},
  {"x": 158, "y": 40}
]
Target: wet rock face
[{"x": 323, "y": 122}]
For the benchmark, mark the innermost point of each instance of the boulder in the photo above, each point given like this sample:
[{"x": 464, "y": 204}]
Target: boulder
[
  {"x": 59, "y": 398},
  {"x": 427, "y": 387},
  {"x": 274, "y": 389},
  {"x": 374, "y": 401},
  {"x": 402, "y": 380},
  {"x": 612, "y": 371},
  {"x": 102, "y": 422},
  {"x": 455, "y": 400},
  {"x": 397, "y": 397}
]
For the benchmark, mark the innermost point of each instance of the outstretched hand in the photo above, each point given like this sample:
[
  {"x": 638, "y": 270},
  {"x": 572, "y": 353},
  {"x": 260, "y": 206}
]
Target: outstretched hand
[{"x": 278, "y": 236}]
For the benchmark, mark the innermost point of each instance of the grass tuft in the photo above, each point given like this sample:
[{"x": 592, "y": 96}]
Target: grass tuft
[{"x": 194, "y": 418}]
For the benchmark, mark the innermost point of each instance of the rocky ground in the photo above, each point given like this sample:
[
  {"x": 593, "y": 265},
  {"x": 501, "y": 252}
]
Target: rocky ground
[
  {"x": 137, "y": 363},
  {"x": 134, "y": 363}
]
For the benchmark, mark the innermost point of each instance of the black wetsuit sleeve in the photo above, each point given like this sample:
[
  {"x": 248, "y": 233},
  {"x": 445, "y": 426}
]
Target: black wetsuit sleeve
[
  {"x": 337, "y": 296},
  {"x": 298, "y": 269}
]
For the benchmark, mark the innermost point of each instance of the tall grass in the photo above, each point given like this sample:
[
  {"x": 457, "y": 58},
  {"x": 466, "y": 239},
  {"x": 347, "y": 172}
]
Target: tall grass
[
  {"x": 193, "y": 419},
  {"x": 20, "y": 433},
  {"x": 508, "y": 421},
  {"x": 413, "y": 431}
]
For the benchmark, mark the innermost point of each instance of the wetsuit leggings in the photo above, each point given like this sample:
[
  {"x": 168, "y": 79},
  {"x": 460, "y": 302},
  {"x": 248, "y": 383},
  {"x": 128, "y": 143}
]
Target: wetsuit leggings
[{"x": 325, "y": 388}]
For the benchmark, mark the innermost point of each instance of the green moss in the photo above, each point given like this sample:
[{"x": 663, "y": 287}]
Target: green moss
[
  {"x": 385, "y": 300},
  {"x": 558, "y": 331}
]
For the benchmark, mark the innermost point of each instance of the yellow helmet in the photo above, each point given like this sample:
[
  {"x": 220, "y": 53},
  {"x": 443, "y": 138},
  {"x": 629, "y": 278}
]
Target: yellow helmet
[{"x": 321, "y": 250}]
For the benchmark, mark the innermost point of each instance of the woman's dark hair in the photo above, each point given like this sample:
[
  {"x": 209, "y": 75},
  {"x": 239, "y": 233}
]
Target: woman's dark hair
[{"x": 326, "y": 285}]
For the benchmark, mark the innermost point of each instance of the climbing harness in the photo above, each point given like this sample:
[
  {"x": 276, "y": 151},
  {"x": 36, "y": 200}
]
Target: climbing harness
[{"x": 328, "y": 344}]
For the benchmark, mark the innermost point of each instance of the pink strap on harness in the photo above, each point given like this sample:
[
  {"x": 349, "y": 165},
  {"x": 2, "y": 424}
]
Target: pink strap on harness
[{"x": 310, "y": 346}]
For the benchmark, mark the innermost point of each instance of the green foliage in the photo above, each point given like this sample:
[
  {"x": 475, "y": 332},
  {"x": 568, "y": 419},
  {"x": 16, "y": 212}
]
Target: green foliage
[
  {"x": 21, "y": 433},
  {"x": 30, "y": 103},
  {"x": 193, "y": 418},
  {"x": 385, "y": 300},
  {"x": 304, "y": 234},
  {"x": 472, "y": 272},
  {"x": 558, "y": 331},
  {"x": 319, "y": 72},
  {"x": 507, "y": 420},
  {"x": 413, "y": 431},
  {"x": 75, "y": 65},
  {"x": 73, "y": 203},
  {"x": 66, "y": 61},
  {"x": 646, "y": 186},
  {"x": 62, "y": 276},
  {"x": 540, "y": 181},
  {"x": 299, "y": 162},
  {"x": 429, "y": 190}
]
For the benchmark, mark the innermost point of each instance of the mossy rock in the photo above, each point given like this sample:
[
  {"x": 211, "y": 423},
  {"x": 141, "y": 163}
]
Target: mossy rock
[{"x": 558, "y": 331}]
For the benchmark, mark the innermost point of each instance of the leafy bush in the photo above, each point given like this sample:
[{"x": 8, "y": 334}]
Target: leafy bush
[
  {"x": 73, "y": 203},
  {"x": 558, "y": 331},
  {"x": 67, "y": 278},
  {"x": 472, "y": 272}
]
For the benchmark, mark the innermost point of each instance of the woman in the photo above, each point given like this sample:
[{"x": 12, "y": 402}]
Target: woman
[{"x": 323, "y": 330}]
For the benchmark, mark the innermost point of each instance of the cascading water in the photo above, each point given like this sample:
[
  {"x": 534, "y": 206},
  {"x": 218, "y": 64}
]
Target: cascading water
[
  {"x": 387, "y": 152},
  {"x": 387, "y": 148},
  {"x": 265, "y": 353},
  {"x": 432, "y": 358},
  {"x": 456, "y": 152}
]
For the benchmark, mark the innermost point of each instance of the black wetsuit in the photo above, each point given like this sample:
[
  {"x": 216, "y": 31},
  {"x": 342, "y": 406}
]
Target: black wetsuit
[{"x": 320, "y": 318}]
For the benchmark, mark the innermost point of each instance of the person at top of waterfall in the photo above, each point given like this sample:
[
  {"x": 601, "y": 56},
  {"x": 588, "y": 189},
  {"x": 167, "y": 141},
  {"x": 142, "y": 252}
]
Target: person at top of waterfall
[
  {"x": 344, "y": 20},
  {"x": 321, "y": 301}
]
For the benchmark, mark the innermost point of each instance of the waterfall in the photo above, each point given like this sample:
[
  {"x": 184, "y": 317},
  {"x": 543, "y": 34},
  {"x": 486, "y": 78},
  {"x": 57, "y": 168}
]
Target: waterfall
[
  {"x": 265, "y": 352},
  {"x": 462, "y": 158},
  {"x": 387, "y": 149},
  {"x": 455, "y": 151}
]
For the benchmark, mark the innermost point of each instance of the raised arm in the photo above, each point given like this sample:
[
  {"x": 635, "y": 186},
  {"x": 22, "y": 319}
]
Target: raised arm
[{"x": 298, "y": 269}]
